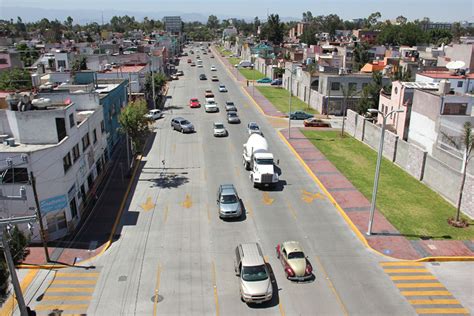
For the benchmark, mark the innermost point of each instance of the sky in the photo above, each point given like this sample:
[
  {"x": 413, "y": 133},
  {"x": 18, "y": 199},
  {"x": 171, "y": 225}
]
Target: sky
[{"x": 436, "y": 10}]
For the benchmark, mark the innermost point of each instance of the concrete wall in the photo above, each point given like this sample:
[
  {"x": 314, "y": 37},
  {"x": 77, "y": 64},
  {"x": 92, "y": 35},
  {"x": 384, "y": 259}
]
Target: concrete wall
[{"x": 440, "y": 177}]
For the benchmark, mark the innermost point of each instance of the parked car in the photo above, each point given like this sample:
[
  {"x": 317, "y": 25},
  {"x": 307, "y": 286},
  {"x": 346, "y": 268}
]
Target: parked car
[
  {"x": 230, "y": 106},
  {"x": 179, "y": 73},
  {"x": 213, "y": 68},
  {"x": 250, "y": 266},
  {"x": 244, "y": 64},
  {"x": 211, "y": 107},
  {"x": 189, "y": 60},
  {"x": 182, "y": 125},
  {"x": 314, "y": 122},
  {"x": 232, "y": 117},
  {"x": 276, "y": 82},
  {"x": 264, "y": 80},
  {"x": 202, "y": 77},
  {"x": 222, "y": 88},
  {"x": 194, "y": 103},
  {"x": 193, "y": 64},
  {"x": 219, "y": 129},
  {"x": 174, "y": 77},
  {"x": 228, "y": 201},
  {"x": 300, "y": 115},
  {"x": 212, "y": 56},
  {"x": 214, "y": 78},
  {"x": 294, "y": 261},
  {"x": 154, "y": 114},
  {"x": 199, "y": 65},
  {"x": 253, "y": 128}
]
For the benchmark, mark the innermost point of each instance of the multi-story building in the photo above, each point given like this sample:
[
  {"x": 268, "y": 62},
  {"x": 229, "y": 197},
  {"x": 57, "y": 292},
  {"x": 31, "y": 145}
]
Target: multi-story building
[
  {"x": 459, "y": 81},
  {"x": 64, "y": 144},
  {"x": 458, "y": 52},
  {"x": 173, "y": 24}
]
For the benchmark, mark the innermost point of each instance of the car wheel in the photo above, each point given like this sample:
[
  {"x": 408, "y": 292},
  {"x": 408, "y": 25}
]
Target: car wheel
[{"x": 182, "y": 130}]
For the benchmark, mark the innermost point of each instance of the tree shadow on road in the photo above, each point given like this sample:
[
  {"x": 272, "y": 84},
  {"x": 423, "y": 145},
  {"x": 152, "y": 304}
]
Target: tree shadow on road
[{"x": 169, "y": 180}]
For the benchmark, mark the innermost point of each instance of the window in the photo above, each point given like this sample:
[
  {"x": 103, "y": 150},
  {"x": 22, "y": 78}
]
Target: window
[
  {"x": 60, "y": 128},
  {"x": 98, "y": 166},
  {"x": 90, "y": 181},
  {"x": 352, "y": 86},
  {"x": 335, "y": 86},
  {"x": 71, "y": 120},
  {"x": 85, "y": 142},
  {"x": 94, "y": 136},
  {"x": 14, "y": 175},
  {"x": 75, "y": 152},
  {"x": 56, "y": 222},
  {"x": 102, "y": 127},
  {"x": 3, "y": 61},
  {"x": 455, "y": 108},
  {"x": 73, "y": 207},
  {"x": 61, "y": 63},
  {"x": 67, "y": 162},
  {"x": 460, "y": 84}
]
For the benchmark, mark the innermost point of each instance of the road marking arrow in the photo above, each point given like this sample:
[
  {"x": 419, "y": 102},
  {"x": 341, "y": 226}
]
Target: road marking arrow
[
  {"x": 188, "y": 202},
  {"x": 148, "y": 205},
  {"x": 309, "y": 197},
  {"x": 267, "y": 200}
]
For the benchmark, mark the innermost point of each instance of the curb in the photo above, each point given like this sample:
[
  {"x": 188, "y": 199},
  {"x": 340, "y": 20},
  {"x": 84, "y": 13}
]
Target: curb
[
  {"x": 260, "y": 108},
  {"x": 352, "y": 225},
  {"x": 24, "y": 284}
]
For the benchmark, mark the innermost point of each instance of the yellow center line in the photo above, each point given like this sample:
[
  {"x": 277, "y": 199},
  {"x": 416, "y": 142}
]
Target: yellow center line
[
  {"x": 418, "y": 285},
  {"x": 412, "y": 277},
  {"x": 66, "y": 298},
  {"x": 208, "y": 213},
  {"x": 71, "y": 289},
  {"x": 280, "y": 307},
  {"x": 441, "y": 311},
  {"x": 425, "y": 293},
  {"x": 214, "y": 285},
  {"x": 292, "y": 210},
  {"x": 62, "y": 307},
  {"x": 237, "y": 171},
  {"x": 166, "y": 214},
  {"x": 249, "y": 210},
  {"x": 157, "y": 287},
  {"x": 331, "y": 286},
  {"x": 405, "y": 270},
  {"x": 434, "y": 302},
  {"x": 401, "y": 263}
]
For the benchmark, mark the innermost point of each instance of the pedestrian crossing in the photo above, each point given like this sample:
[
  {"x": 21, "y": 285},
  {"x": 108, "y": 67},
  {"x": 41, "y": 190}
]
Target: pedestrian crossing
[
  {"x": 70, "y": 292},
  {"x": 423, "y": 290}
]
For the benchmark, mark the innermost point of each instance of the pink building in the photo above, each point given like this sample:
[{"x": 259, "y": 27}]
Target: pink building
[
  {"x": 400, "y": 97},
  {"x": 9, "y": 60}
]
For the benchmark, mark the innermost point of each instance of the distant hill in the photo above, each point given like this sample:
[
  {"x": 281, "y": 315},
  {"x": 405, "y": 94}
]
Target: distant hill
[{"x": 83, "y": 16}]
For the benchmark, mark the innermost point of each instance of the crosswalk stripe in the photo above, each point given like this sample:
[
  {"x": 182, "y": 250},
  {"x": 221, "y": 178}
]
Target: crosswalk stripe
[
  {"x": 401, "y": 263},
  {"x": 418, "y": 285},
  {"x": 426, "y": 293},
  {"x": 442, "y": 311},
  {"x": 70, "y": 289},
  {"x": 66, "y": 298},
  {"x": 78, "y": 274},
  {"x": 412, "y": 277},
  {"x": 434, "y": 302},
  {"x": 405, "y": 270},
  {"x": 62, "y": 307},
  {"x": 74, "y": 282}
]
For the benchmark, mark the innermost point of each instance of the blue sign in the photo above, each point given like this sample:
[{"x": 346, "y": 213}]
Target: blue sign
[{"x": 53, "y": 204}]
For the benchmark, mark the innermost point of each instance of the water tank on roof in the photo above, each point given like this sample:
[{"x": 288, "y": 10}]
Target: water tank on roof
[
  {"x": 41, "y": 102},
  {"x": 444, "y": 87}
]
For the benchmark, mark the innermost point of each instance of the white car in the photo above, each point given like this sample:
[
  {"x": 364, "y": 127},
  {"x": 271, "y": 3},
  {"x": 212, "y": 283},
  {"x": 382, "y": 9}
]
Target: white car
[
  {"x": 213, "y": 68},
  {"x": 219, "y": 129},
  {"x": 222, "y": 88},
  {"x": 154, "y": 114},
  {"x": 211, "y": 107},
  {"x": 199, "y": 65},
  {"x": 210, "y": 100}
]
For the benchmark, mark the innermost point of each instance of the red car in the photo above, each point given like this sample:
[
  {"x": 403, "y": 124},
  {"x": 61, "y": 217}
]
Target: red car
[
  {"x": 194, "y": 103},
  {"x": 314, "y": 122},
  {"x": 189, "y": 61}
]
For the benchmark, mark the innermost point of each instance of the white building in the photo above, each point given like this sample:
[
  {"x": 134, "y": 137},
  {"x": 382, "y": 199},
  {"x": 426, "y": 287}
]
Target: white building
[{"x": 62, "y": 142}]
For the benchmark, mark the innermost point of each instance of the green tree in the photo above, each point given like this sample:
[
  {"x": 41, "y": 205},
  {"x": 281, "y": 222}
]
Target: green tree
[
  {"x": 361, "y": 55},
  {"x": 160, "y": 82},
  {"x": 79, "y": 64},
  {"x": 134, "y": 123},
  {"x": 372, "y": 20},
  {"x": 348, "y": 92},
  {"x": 15, "y": 79},
  {"x": 213, "y": 22},
  {"x": 68, "y": 23},
  {"x": 274, "y": 29},
  {"x": 256, "y": 24},
  {"x": 27, "y": 55},
  {"x": 402, "y": 75},
  {"x": 401, "y": 19},
  {"x": 307, "y": 16},
  {"x": 4, "y": 279},
  {"x": 439, "y": 37},
  {"x": 18, "y": 244},
  {"x": 371, "y": 94}
]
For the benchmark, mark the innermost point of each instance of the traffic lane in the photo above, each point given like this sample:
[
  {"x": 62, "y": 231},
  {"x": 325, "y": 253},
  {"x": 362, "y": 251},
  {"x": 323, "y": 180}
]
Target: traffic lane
[{"x": 338, "y": 239}]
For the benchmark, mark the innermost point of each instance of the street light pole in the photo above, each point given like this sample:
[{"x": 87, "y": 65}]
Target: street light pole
[
  {"x": 377, "y": 168},
  {"x": 289, "y": 102}
]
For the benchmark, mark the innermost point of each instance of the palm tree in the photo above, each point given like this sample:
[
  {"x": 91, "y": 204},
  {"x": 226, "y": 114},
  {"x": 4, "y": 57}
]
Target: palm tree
[
  {"x": 468, "y": 144},
  {"x": 347, "y": 92}
]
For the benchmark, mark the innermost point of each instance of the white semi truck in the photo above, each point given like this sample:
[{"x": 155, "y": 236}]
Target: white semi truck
[{"x": 259, "y": 161}]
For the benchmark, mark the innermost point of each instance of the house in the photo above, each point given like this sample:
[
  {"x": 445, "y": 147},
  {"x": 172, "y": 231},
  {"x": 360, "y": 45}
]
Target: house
[
  {"x": 401, "y": 98},
  {"x": 368, "y": 36},
  {"x": 67, "y": 158},
  {"x": 458, "y": 52},
  {"x": 10, "y": 59},
  {"x": 460, "y": 82}
]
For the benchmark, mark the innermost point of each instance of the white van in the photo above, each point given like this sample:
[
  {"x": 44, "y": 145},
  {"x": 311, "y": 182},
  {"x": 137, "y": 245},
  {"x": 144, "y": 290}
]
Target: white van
[{"x": 244, "y": 64}]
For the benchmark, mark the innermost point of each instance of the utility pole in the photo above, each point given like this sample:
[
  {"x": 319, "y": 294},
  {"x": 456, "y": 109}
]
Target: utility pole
[
  {"x": 4, "y": 224},
  {"x": 40, "y": 217},
  {"x": 153, "y": 82}
]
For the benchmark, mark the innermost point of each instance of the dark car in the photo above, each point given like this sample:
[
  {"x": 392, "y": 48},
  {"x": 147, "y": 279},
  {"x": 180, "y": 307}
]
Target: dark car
[
  {"x": 314, "y": 122},
  {"x": 276, "y": 82},
  {"x": 300, "y": 115},
  {"x": 202, "y": 77}
]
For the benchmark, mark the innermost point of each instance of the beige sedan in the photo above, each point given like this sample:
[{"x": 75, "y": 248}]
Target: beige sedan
[{"x": 294, "y": 261}]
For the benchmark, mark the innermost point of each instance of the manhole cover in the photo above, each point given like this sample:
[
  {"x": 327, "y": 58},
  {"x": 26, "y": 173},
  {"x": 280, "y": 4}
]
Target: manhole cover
[
  {"x": 122, "y": 278},
  {"x": 160, "y": 298}
]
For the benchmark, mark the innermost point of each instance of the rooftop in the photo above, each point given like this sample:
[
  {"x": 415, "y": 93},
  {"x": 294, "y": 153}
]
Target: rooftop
[
  {"x": 445, "y": 75},
  {"x": 126, "y": 68}
]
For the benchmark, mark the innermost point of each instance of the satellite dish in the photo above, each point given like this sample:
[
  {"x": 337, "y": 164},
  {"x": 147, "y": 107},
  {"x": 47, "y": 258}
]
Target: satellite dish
[{"x": 455, "y": 65}]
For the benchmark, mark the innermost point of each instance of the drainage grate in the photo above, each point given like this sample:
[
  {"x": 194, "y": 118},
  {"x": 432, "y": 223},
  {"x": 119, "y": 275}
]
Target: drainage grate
[{"x": 122, "y": 278}]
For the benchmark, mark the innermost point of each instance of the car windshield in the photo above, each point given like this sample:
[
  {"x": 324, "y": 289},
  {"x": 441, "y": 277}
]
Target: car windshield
[
  {"x": 229, "y": 103},
  {"x": 231, "y": 114},
  {"x": 264, "y": 161},
  {"x": 296, "y": 255},
  {"x": 255, "y": 273},
  {"x": 253, "y": 127},
  {"x": 194, "y": 100},
  {"x": 185, "y": 122},
  {"x": 219, "y": 126},
  {"x": 228, "y": 199}
]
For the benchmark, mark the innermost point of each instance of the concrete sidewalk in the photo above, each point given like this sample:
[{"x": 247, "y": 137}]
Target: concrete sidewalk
[{"x": 355, "y": 207}]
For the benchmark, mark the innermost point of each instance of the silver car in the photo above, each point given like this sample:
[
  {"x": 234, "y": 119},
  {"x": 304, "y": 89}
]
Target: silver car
[
  {"x": 219, "y": 129},
  {"x": 182, "y": 125},
  {"x": 232, "y": 117},
  {"x": 228, "y": 201}
]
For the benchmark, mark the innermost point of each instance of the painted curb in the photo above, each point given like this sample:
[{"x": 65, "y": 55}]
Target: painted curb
[
  {"x": 352, "y": 225},
  {"x": 24, "y": 284}
]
